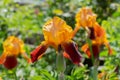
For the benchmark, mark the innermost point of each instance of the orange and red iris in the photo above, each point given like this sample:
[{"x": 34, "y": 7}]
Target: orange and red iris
[
  {"x": 98, "y": 37},
  {"x": 57, "y": 33},
  {"x": 87, "y": 19},
  {"x": 12, "y": 48}
]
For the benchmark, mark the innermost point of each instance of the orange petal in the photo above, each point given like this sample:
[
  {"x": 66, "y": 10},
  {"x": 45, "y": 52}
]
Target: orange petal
[
  {"x": 66, "y": 55},
  {"x": 99, "y": 31},
  {"x": 2, "y": 58},
  {"x": 86, "y": 50},
  {"x": 110, "y": 51},
  {"x": 85, "y": 47},
  {"x": 10, "y": 62},
  {"x": 75, "y": 30},
  {"x": 38, "y": 52},
  {"x": 101, "y": 75},
  {"x": 71, "y": 50}
]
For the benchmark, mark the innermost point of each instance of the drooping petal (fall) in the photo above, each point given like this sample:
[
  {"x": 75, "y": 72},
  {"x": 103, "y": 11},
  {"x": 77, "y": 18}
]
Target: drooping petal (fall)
[
  {"x": 38, "y": 52},
  {"x": 99, "y": 30},
  {"x": 10, "y": 62},
  {"x": 66, "y": 54},
  {"x": 95, "y": 50},
  {"x": 57, "y": 31},
  {"x": 101, "y": 38},
  {"x": 100, "y": 35},
  {"x": 71, "y": 50}
]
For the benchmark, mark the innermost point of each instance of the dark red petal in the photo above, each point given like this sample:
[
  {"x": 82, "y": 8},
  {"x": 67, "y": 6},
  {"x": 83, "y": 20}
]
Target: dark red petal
[
  {"x": 66, "y": 55},
  {"x": 95, "y": 50},
  {"x": 71, "y": 50},
  {"x": 38, "y": 52},
  {"x": 10, "y": 62},
  {"x": 92, "y": 33}
]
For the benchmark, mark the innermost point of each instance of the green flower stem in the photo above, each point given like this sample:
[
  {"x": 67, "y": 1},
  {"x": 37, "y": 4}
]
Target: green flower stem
[
  {"x": 94, "y": 73},
  {"x": 15, "y": 74},
  {"x": 90, "y": 46},
  {"x": 61, "y": 76},
  {"x": 60, "y": 64},
  {"x": 95, "y": 62}
]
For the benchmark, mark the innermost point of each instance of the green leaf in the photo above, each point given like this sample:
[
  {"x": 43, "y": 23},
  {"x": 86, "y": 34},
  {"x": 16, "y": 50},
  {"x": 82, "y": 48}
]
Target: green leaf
[{"x": 46, "y": 74}]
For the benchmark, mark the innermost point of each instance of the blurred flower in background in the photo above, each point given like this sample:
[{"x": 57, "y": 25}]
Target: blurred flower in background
[
  {"x": 13, "y": 47},
  {"x": 87, "y": 19}
]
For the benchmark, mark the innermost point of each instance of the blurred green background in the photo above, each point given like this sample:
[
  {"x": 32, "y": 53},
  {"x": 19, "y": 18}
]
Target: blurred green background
[{"x": 25, "y": 18}]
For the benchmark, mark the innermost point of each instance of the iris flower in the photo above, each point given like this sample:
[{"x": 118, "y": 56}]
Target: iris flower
[
  {"x": 57, "y": 34},
  {"x": 98, "y": 37},
  {"x": 12, "y": 48},
  {"x": 87, "y": 19}
]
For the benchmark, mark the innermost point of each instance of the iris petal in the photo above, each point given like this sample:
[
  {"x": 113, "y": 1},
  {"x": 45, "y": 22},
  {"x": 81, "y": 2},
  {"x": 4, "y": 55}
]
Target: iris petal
[
  {"x": 2, "y": 58},
  {"x": 71, "y": 50},
  {"x": 92, "y": 33},
  {"x": 95, "y": 50},
  {"x": 10, "y": 62},
  {"x": 38, "y": 52},
  {"x": 66, "y": 55}
]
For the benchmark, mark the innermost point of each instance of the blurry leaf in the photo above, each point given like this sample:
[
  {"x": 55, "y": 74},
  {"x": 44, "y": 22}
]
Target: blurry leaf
[
  {"x": 79, "y": 73},
  {"x": 104, "y": 53},
  {"x": 57, "y": 11},
  {"x": 46, "y": 74},
  {"x": 7, "y": 1},
  {"x": 37, "y": 78}
]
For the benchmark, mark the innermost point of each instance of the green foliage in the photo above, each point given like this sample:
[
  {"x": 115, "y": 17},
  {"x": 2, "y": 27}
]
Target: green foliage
[
  {"x": 25, "y": 20},
  {"x": 112, "y": 28},
  {"x": 78, "y": 73}
]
